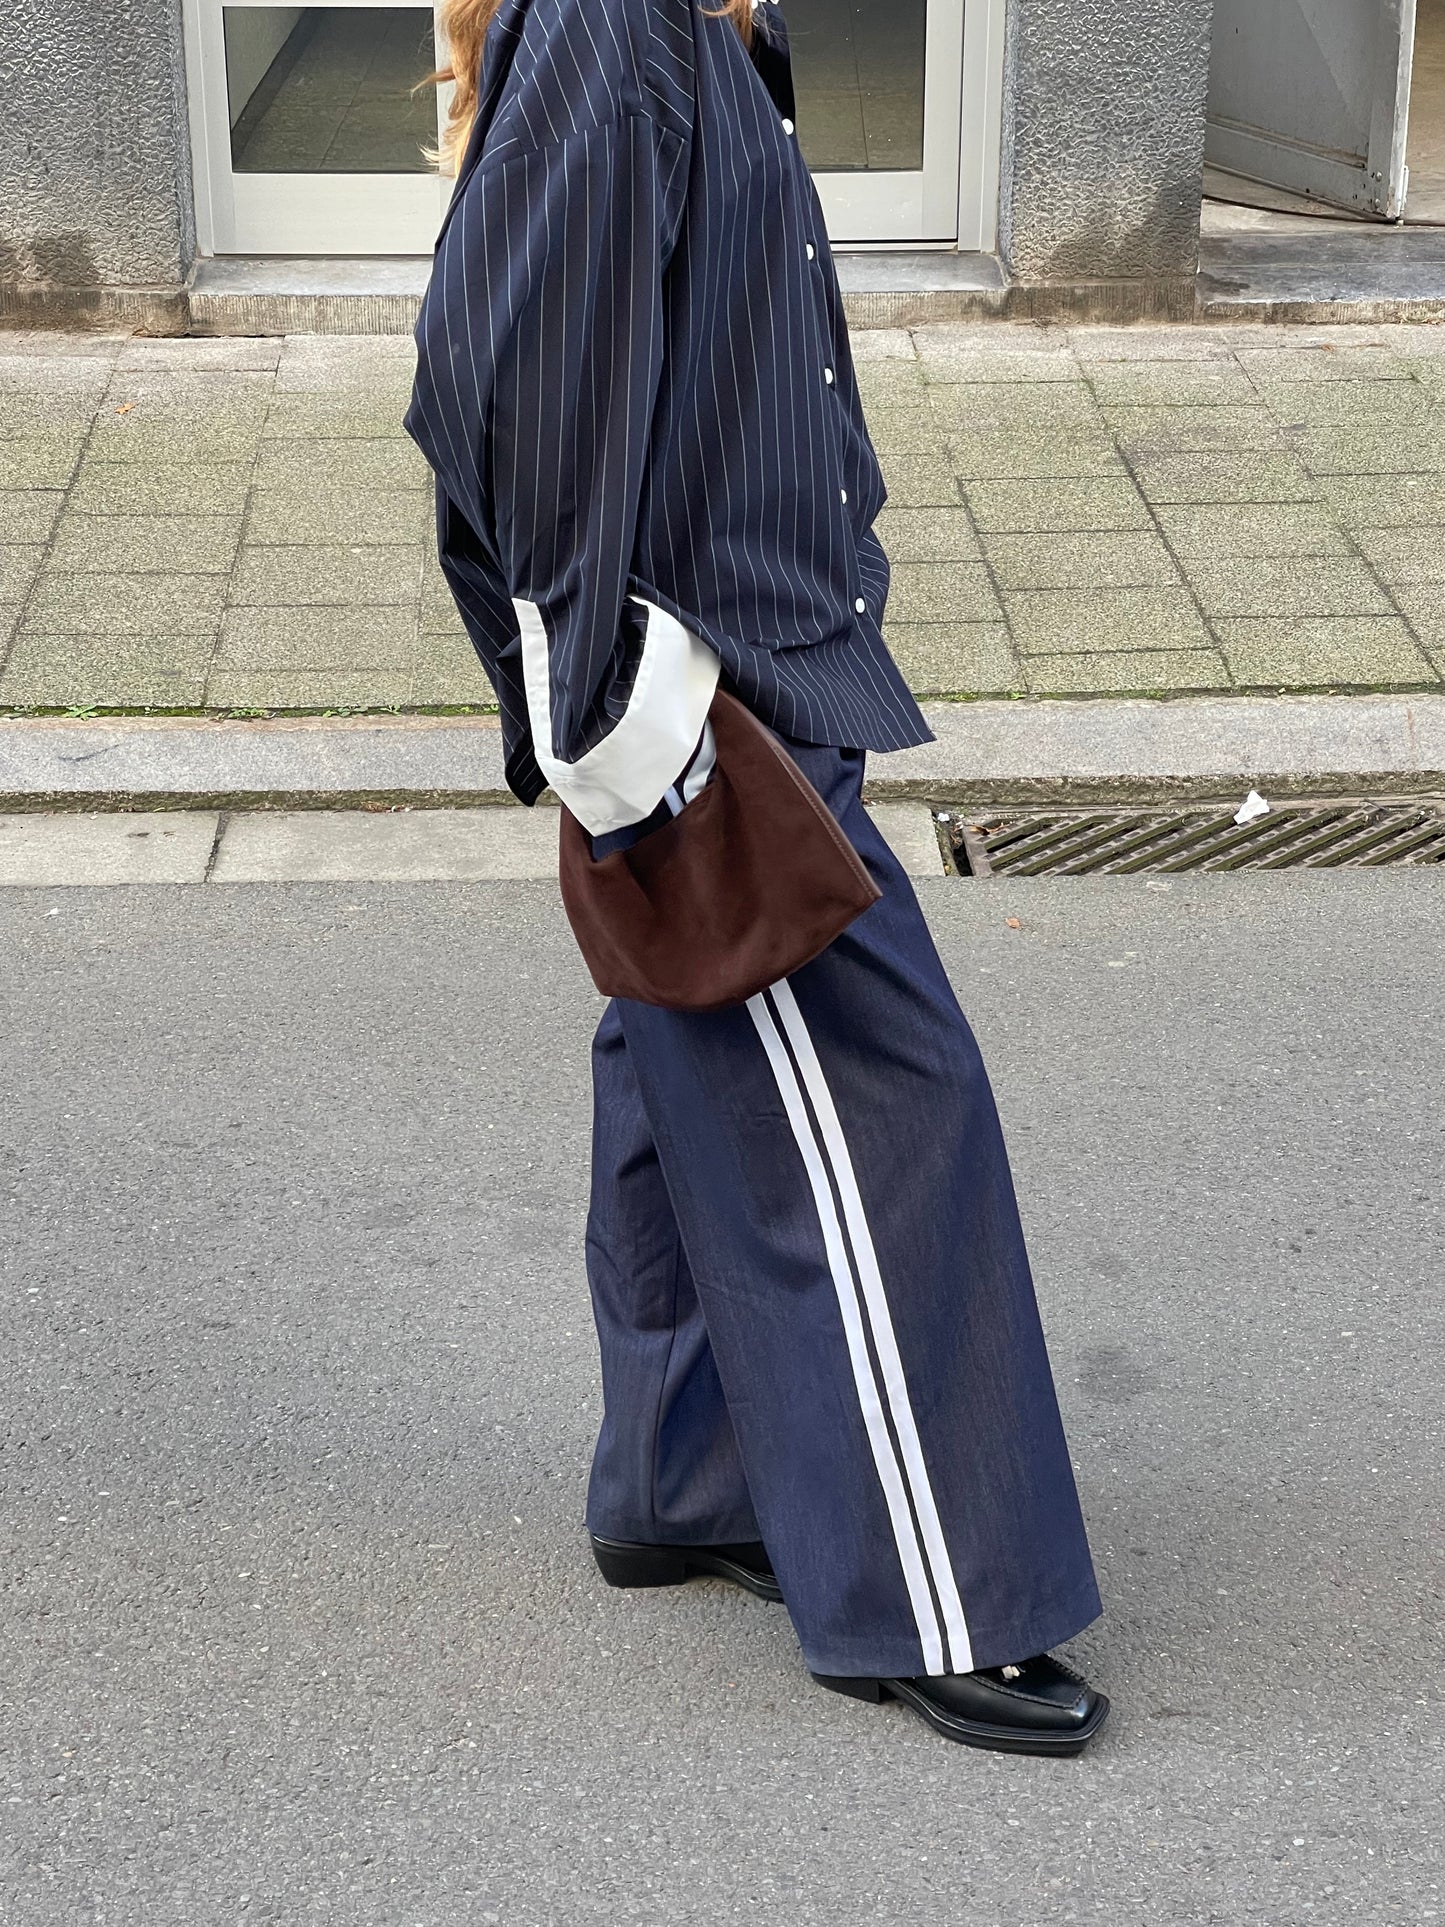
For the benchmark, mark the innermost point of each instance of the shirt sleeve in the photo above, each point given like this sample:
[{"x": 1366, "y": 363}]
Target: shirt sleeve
[{"x": 542, "y": 376}]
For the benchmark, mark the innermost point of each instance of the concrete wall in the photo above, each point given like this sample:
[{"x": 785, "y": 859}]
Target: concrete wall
[
  {"x": 95, "y": 176},
  {"x": 1103, "y": 139}
]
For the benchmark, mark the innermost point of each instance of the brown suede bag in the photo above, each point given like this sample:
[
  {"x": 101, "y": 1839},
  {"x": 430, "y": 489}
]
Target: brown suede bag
[{"x": 750, "y": 882}]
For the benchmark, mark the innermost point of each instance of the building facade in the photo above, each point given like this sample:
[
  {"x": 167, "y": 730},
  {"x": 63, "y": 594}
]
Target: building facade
[{"x": 149, "y": 143}]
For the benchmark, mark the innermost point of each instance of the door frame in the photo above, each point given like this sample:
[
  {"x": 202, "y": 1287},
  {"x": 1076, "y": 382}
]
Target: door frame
[
  {"x": 1375, "y": 185},
  {"x": 956, "y": 209},
  {"x": 235, "y": 211}
]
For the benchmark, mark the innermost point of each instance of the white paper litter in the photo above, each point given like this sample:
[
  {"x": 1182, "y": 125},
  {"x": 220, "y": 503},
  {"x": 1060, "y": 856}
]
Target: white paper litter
[{"x": 1253, "y": 805}]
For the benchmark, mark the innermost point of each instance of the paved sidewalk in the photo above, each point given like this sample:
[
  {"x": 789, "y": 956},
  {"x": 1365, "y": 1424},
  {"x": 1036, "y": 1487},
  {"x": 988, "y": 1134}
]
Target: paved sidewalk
[{"x": 241, "y": 525}]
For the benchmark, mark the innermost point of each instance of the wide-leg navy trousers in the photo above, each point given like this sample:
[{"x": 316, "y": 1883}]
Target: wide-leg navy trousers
[{"x": 817, "y": 1321}]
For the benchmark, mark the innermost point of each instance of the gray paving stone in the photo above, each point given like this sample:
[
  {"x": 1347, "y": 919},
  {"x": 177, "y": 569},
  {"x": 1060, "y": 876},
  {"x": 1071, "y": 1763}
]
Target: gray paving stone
[
  {"x": 54, "y": 374},
  {"x": 1424, "y": 608},
  {"x": 888, "y": 378},
  {"x": 1405, "y": 556},
  {"x": 295, "y": 466},
  {"x": 1125, "y": 671},
  {"x": 146, "y": 392},
  {"x": 411, "y": 846},
  {"x": 1304, "y": 653},
  {"x": 927, "y": 535},
  {"x": 352, "y": 576},
  {"x": 1301, "y": 585},
  {"x": 9, "y": 622},
  {"x": 330, "y": 689},
  {"x": 372, "y": 516},
  {"x": 1352, "y": 404},
  {"x": 1394, "y": 501},
  {"x": 54, "y": 852},
  {"x": 39, "y": 461},
  {"x": 23, "y": 343},
  {"x": 1147, "y": 432},
  {"x": 1254, "y": 475},
  {"x": 1200, "y": 531},
  {"x": 944, "y": 363},
  {"x": 1041, "y": 507},
  {"x": 448, "y": 672},
  {"x": 204, "y": 544},
  {"x": 1174, "y": 384},
  {"x": 905, "y": 424},
  {"x": 438, "y": 604},
  {"x": 162, "y": 488},
  {"x": 882, "y": 344},
  {"x": 24, "y": 417},
  {"x": 28, "y": 515},
  {"x": 1095, "y": 560},
  {"x": 51, "y": 669},
  {"x": 911, "y": 833},
  {"x": 152, "y": 435},
  {"x": 335, "y": 414},
  {"x": 66, "y": 603},
  {"x": 193, "y": 352},
  {"x": 955, "y": 658},
  {"x": 314, "y": 364},
  {"x": 1369, "y": 451},
  {"x": 919, "y": 481},
  {"x": 1056, "y": 621},
  {"x": 942, "y": 592},
  {"x": 300, "y": 638},
  {"x": 1325, "y": 363},
  {"x": 1004, "y": 455},
  {"x": 19, "y": 565},
  {"x": 982, "y": 408},
  {"x": 1167, "y": 342}
]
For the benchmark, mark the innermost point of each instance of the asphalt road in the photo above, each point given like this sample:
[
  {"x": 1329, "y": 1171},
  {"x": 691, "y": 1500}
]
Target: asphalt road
[{"x": 297, "y": 1387}]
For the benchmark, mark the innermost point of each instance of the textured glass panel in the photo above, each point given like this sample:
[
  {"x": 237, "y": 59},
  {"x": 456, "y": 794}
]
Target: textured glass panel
[
  {"x": 858, "y": 71},
  {"x": 328, "y": 90}
]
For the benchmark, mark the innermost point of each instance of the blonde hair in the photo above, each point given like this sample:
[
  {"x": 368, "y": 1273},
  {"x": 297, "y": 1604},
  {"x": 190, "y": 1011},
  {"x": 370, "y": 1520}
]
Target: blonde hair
[{"x": 464, "y": 26}]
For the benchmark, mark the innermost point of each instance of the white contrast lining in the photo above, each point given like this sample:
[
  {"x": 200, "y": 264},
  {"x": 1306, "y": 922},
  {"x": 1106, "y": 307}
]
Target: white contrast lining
[
  {"x": 874, "y": 1422},
  {"x": 881, "y": 1322},
  {"x": 622, "y": 779}
]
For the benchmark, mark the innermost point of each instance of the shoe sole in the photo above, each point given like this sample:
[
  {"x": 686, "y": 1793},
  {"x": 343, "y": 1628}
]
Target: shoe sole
[
  {"x": 628, "y": 1565},
  {"x": 992, "y": 1739}
]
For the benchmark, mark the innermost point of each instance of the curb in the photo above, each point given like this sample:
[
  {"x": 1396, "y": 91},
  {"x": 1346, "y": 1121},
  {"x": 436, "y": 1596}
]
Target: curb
[{"x": 1067, "y": 751}]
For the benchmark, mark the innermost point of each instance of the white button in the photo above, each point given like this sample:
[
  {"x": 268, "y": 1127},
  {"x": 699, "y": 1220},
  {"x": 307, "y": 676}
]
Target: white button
[
  {"x": 828, "y": 374},
  {"x": 860, "y": 605},
  {"x": 842, "y": 494},
  {"x": 810, "y": 250},
  {"x": 787, "y": 127}
]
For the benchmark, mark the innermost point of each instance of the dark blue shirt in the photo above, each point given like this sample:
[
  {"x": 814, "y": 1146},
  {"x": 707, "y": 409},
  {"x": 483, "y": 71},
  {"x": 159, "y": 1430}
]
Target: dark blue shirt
[{"x": 634, "y": 385}]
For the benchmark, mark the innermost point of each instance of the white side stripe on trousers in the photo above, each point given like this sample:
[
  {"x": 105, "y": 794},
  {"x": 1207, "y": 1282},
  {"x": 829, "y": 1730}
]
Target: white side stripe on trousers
[{"x": 835, "y": 1150}]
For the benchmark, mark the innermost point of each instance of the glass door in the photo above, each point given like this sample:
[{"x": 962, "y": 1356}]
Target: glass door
[
  {"x": 309, "y": 138},
  {"x": 879, "y": 90}
]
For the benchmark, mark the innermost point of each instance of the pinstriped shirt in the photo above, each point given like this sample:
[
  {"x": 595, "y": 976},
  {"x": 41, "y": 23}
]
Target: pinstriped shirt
[{"x": 635, "y": 388}]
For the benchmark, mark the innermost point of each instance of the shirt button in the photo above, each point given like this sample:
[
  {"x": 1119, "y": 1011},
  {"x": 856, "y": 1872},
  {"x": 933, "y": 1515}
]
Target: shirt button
[
  {"x": 787, "y": 127},
  {"x": 828, "y": 375},
  {"x": 842, "y": 494},
  {"x": 860, "y": 605},
  {"x": 810, "y": 250}
]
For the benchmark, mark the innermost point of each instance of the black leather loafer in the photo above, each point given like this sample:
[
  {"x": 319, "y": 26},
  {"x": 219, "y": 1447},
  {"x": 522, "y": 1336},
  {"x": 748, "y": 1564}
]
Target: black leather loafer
[
  {"x": 747, "y": 1566},
  {"x": 1038, "y": 1706}
]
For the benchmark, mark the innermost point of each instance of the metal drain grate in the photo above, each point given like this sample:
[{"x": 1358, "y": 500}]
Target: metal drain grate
[{"x": 1309, "y": 836}]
